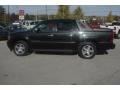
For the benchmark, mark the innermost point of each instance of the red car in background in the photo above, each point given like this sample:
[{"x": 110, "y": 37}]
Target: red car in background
[{"x": 94, "y": 24}]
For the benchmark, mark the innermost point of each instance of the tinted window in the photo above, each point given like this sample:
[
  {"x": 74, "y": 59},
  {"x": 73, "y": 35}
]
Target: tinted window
[
  {"x": 66, "y": 26},
  {"x": 46, "y": 27}
]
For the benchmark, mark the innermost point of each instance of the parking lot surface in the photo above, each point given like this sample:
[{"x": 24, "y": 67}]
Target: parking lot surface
[{"x": 59, "y": 69}]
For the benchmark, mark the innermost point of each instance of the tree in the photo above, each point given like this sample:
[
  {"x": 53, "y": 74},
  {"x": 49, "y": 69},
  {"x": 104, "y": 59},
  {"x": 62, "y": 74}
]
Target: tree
[
  {"x": 51, "y": 16},
  {"x": 116, "y": 18},
  {"x": 13, "y": 17},
  {"x": 27, "y": 17},
  {"x": 110, "y": 17},
  {"x": 2, "y": 14},
  {"x": 63, "y": 12},
  {"x": 78, "y": 13},
  {"x": 42, "y": 17}
]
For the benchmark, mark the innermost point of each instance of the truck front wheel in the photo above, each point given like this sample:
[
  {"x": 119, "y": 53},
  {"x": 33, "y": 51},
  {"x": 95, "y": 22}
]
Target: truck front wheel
[
  {"x": 21, "y": 48},
  {"x": 87, "y": 50}
]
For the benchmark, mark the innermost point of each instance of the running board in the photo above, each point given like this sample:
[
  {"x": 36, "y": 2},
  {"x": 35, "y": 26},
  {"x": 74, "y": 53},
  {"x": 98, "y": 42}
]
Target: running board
[{"x": 53, "y": 50}]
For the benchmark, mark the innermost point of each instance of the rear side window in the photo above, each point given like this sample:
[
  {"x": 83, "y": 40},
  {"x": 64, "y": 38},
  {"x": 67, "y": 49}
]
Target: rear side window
[{"x": 66, "y": 26}]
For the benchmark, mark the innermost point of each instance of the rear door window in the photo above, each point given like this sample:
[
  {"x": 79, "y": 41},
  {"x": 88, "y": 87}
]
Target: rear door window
[{"x": 66, "y": 26}]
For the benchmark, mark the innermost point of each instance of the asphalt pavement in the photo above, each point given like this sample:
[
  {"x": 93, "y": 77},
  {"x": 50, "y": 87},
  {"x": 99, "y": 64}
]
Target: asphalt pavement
[{"x": 59, "y": 69}]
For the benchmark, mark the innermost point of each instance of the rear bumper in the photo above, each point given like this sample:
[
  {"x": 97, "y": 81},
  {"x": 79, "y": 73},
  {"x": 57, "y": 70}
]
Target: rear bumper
[{"x": 105, "y": 46}]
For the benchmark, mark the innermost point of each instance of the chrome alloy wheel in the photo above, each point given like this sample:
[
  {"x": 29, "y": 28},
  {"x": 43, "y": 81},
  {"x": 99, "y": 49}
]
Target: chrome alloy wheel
[
  {"x": 88, "y": 51},
  {"x": 19, "y": 49}
]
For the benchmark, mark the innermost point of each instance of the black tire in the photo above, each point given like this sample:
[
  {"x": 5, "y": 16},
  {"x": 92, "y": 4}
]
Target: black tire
[
  {"x": 81, "y": 49},
  {"x": 25, "y": 51}
]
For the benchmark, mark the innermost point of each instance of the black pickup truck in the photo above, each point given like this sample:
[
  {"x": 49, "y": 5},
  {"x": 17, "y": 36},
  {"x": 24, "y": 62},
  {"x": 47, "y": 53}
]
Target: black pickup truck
[{"x": 61, "y": 35}]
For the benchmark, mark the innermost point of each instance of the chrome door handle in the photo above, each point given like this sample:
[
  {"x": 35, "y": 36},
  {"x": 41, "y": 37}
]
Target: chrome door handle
[{"x": 50, "y": 35}]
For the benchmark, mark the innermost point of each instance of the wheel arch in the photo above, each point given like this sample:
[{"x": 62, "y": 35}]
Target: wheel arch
[
  {"x": 11, "y": 43},
  {"x": 85, "y": 43}
]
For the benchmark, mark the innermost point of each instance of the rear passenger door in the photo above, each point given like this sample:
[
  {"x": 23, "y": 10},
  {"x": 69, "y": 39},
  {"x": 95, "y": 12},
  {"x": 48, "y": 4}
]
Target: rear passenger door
[{"x": 64, "y": 37}]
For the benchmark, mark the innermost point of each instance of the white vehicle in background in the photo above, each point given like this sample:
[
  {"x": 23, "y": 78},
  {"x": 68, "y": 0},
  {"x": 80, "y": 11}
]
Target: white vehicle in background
[
  {"x": 115, "y": 26},
  {"x": 82, "y": 20},
  {"x": 29, "y": 24},
  {"x": 16, "y": 23},
  {"x": 105, "y": 25}
]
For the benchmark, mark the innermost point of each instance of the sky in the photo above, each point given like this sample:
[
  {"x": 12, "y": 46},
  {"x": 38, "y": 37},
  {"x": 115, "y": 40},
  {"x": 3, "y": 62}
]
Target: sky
[{"x": 98, "y": 10}]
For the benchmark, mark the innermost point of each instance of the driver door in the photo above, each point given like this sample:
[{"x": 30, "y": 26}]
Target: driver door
[{"x": 42, "y": 36}]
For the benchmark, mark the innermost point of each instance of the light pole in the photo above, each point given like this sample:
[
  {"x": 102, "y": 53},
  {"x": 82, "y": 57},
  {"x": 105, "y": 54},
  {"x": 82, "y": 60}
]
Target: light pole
[
  {"x": 8, "y": 14},
  {"x": 36, "y": 15},
  {"x": 46, "y": 11}
]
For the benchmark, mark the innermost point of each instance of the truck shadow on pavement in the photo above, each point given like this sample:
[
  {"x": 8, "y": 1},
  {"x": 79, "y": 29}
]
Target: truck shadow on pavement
[
  {"x": 104, "y": 52},
  {"x": 55, "y": 53}
]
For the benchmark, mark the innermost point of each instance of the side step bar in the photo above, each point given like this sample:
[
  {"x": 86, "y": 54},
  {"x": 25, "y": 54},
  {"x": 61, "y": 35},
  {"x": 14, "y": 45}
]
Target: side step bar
[{"x": 53, "y": 50}]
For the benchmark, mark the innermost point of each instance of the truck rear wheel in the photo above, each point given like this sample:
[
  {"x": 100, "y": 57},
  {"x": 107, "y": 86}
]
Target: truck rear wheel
[
  {"x": 87, "y": 50},
  {"x": 21, "y": 48}
]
